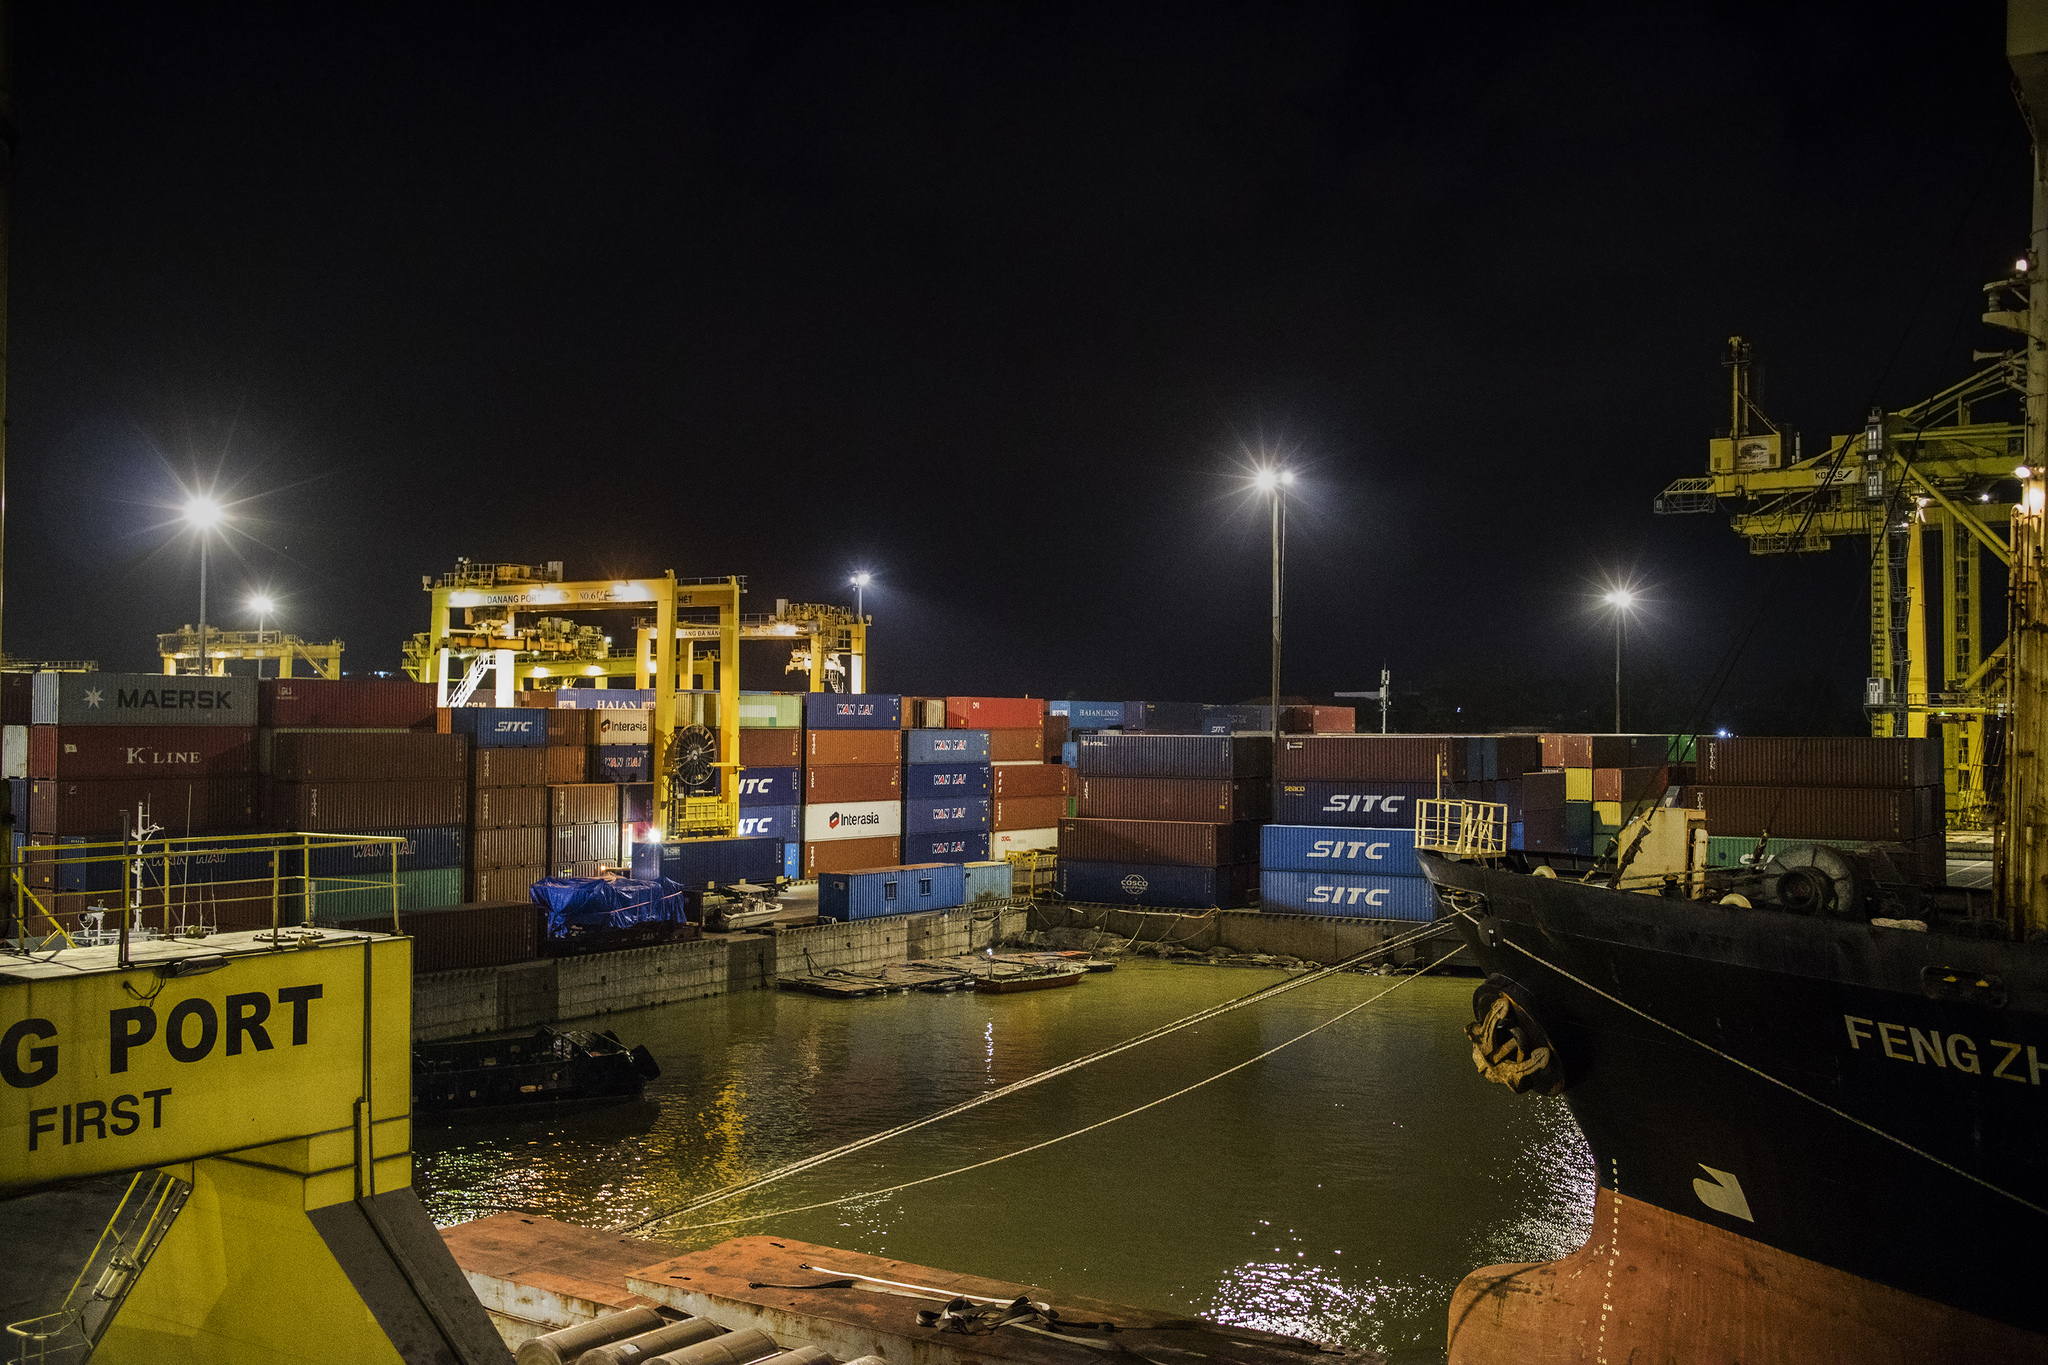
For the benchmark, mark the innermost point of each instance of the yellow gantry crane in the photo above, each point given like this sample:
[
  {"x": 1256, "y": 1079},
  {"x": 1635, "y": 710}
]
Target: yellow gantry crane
[
  {"x": 1931, "y": 468},
  {"x": 179, "y": 650}
]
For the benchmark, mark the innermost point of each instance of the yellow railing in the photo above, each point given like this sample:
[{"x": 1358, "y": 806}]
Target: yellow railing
[
  {"x": 1461, "y": 829},
  {"x": 1031, "y": 872}
]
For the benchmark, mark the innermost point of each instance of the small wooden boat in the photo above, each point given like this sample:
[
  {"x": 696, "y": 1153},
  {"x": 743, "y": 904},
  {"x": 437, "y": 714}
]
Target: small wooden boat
[
  {"x": 546, "y": 1068},
  {"x": 1028, "y": 978}
]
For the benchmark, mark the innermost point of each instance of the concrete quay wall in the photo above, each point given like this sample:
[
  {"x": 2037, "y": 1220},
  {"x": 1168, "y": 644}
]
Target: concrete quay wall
[{"x": 1312, "y": 938}]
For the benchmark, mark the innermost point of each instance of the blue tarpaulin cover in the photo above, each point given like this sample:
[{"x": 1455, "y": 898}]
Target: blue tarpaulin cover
[{"x": 577, "y": 906}]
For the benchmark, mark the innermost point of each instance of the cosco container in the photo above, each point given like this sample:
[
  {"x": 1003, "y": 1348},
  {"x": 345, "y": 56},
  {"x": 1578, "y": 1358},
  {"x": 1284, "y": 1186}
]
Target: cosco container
[
  {"x": 344, "y": 704},
  {"x": 1326, "y": 848},
  {"x": 350, "y": 806},
  {"x": 872, "y": 894},
  {"x": 359, "y": 756},
  {"x": 852, "y": 820},
  {"x": 954, "y": 846},
  {"x": 1158, "y": 841},
  {"x": 604, "y": 698},
  {"x": 945, "y": 746},
  {"x": 500, "y": 727},
  {"x": 583, "y": 803},
  {"x": 698, "y": 863},
  {"x": 503, "y": 807},
  {"x": 771, "y": 710},
  {"x": 934, "y": 814},
  {"x": 771, "y": 787},
  {"x": 1204, "y": 801},
  {"x": 771, "y": 748},
  {"x": 947, "y": 779},
  {"x": 1030, "y": 779},
  {"x": 622, "y": 763},
  {"x": 1026, "y": 812},
  {"x": 986, "y": 881},
  {"x": 994, "y": 713},
  {"x": 1362, "y": 805},
  {"x": 418, "y": 851},
  {"x": 1374, "y": 758},
  {"x": 1346, "y": 894},
  {"x": 848, "y": 855},
  {"x": 621, "y": 726},
  {"x": 1149, "y": 755},
  {"x": 200, "y": 805},
  {"x": 1089, "y": 715},
  {"x": 864, "y": 782},
  {"x": 852, "y": 711},
  {"x": 1819, "y": 762},
  {"x": 1888, "y": 814},
  {"x": 1186, "y": 888},
  {"x": 97, "y": 752},
  {"x": 770, "y": 822},
  {"x": 142, "y": 699}
]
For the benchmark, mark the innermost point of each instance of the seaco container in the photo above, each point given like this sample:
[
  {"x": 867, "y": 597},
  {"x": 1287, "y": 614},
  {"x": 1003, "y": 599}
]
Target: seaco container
[
  {"x": 1382, "y": 758},
  {"x": 698, "y": 863},
  {"x": 321, "y": 807},
  {"x": 951, "y": 846},
  {"x": 496, "y": 727},
  {"x": 583, "y": 803},
  {"x": 946, "y": 779},
  {"x": 771, "y": 787},
  {"x": 839, "y": 748},
  {"x": 1325, "y": 848},
  {"x": 1819, "y": 762},
  {"x": 1030, "y": 779},
  {"x": 1204, "y": 801},
  {"x": 622, "y": 726},
  {"x": 945, "y": 746},
  {"x": 863, "y": 782},
  {"x": 852, "y": 820},
  {"x": 142, "y": 699},
  {"x": 852, "y": 711},
  {"x": 1149, "y": 755},
  {"x": 344, "y": 704},
  {"x": 936, "y": 814},
  {"x": 1178, "y": 842},
  {"x": 770, "y": 822},
  {"x": 199, "y": 805},
  {"x": 1187, "y": 888},
  {"x": 142, "y": 751},
  {"x": 771, "y": 748},
  {"x": 1026, "y": 812},
  {"x": 849, "y": 855},
  {"x": 1357, "y": 804},
  {"x": 994, "y": 713},
  {"x": 1346, "y": 894},
  {"x": 873, "y": 893},
  {"x": 1089, "y": 715},
  {"x": 355, "y": 756}
]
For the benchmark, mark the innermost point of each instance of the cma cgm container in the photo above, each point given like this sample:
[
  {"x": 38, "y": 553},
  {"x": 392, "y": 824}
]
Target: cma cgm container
[
  {"x": 952, "y": 846},
  {"x": 946, "y": 746},
  {"x": 873, "y": 893},
  {"x": 1185, "y": 888},
  {"x": 1158, "y": 841},
  {"x": 201, "y": 805},
  {"x": 771, "y": 787},
  {"x": 853, "y": 820},
  {"x": 851, "y": 782},
  {"x": 1819, "y": 762},
  {"x": 697, "y": 863},
  {"x": 770, "y": 822},
  {"x": 1346, "y": 894},
  {"x": 344, "y": 704},
  {"x": 496, "y": 727},
  {"x": 1205, "y": 801},
  {"x": 355, "y": 756},
  {"x": 1089, "y": 715},
  {"x": 87, "y": 752},
  {"x": 852, "y": 711},
  {"x": 847, "y": 855},
  {"x": 936, "y": 814},
  {"x": 1378, "y": 758},
  {"x": 994, "y": 713},
  {"x": 1210, "y": 756},
  {"x": 1356, "y": 804},
  {"x": 321, "y": 807},
  {"x": 142, "y": 699},
  {"x": 847, "y": 748},
  {"x": 946, "y": 779},
  {"x": 1325, "y": 848}
]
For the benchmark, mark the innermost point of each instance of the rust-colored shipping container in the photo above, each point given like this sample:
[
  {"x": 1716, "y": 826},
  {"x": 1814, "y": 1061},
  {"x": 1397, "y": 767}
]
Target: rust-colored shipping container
[
  {"x": 1017, "y": 746},
  {"x": 17, "y": 698},
  {"x": 1568, "y": 751},
  {"x": 1171, "y": 842},
  {"x": 507, "y": 807},
  {"x": 455, "y": 937},
  {"x": 851, "y": 855},
  {"x": 352, "y": 807},
  {"x": 1819, "y": 761},
  {"x": 344, "y": 704},
  {"x": 503, "y": 883},
  {"x": 1631, "y": 785},
  {"x": 1030, "y": 779},
  {"x": 356, "y": 756},
  {"x": 1319, "y": 720},
  {"x": 565, "y": 763},
  {"x": 1055, "y": 729},
  {"x": 994, "y": 713},
  {"x": 516, "y": 846},
  {"x": 1893, "y": 814},
  {"x": 1203, "y": 800},
  {"x": 567, "y": 726},
  {"x": 201, "y": 805},
  {"x": 771, "y": 748},
  {"x": 589, "y": 843},
  {"x": 853, "y": 782},
  {"x": 839, "y": 748},
  {"x": 1027, "y": 812},
  {"x": 1372, "y": 758},
  {"x": 924, "y": 713},
  {"x": 523, "y": 767},
  {"x": 105, "y": 752},
  {"x": 1544, "y": 790},
  {"x": 584, "y": 803}
]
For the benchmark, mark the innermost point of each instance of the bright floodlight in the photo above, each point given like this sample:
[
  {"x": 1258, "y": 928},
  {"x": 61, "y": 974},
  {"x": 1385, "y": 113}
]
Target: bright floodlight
[
  {"x": 1622, "y": 598},
  {"x": 262, "y": 605},
  {"x": 1267, "y": 480},
  {"x": 1286, "y": 476},
  {"x": 203, "y": 512},
  {"x": 861, "y": 580}
]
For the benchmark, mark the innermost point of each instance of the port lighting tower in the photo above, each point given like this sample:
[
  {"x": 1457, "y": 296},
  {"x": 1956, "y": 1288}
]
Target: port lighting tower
[
  {"x": 1275, "y": 483},
  {"x": 262, "y": 605},
  {"x": 860, "y": 582},
  {"x": 1622, "y": 600},
  {"x": 203, "y": 513}
]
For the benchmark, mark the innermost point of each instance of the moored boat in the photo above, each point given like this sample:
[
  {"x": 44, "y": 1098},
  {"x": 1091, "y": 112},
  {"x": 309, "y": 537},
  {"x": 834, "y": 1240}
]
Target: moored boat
[{"x": 547, "y": 1068}]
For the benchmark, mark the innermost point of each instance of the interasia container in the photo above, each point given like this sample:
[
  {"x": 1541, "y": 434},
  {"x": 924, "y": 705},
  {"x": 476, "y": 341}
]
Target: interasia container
[
  {"x": 583, "y": 803},
  {"x": 1149, "y": 755},
  {"x": 1363, "y": 805},
  {"x": 349, "y": 806},
  {"x": 519, "y": 846},
  {"x": 453, "y": 938},
  {"x": 418, "y": 851},
  {"x": 952, "y": 779},
  {"x": 852, "y": 748},
  {"x": 89, "y": 752},
  {"x": 698, "y": 863},
  {"x": 771, "y": 710},
  {"x": 1379, "y": 758},
  {"x": 771, "y": 748},
  {"x": 1819, "y": 762},
  {"x": 1089, "y": 715},
  {"x": 986, "y": 881},
  {"x": 1026, "y": 812},
  {"x": 500, "y": 727},
  {"x": 604, "y": 698},
  {"x": 955, "y": 846},
  {"x": 622, "y": 727},
  {"x": 356, "y": 756},
  {"x": 946, "y": 746},
  {"x": 499, "y": 807},
  {"x": 849, "y": 855},
  {"x": 870, "y": 782},
  {"x": 1016, "y": 746},
  {"x": 622, "y": 763},
  {"x": 1185, "y": 888},
  {"x": 852, "y": 711},
  {"x": 1325, "y": 848},
  {"x": 994, "y": 713},
  {"x": 344, "y": 704},
  {"x": 770, "y": 822},
  {"x": 196, "y": 805},
  {"x": 1347, "y": 895},
  {"x": 1158, "y": 841},
  {"x": 852, "y": 820},
  {"x": 1004, "y": 842},
  {"x": 1029, "y": 779},
  {"x": 771, "y": 787},
  {"x": 142, "y": 699},
  {"x": 931, "y": 815},
  {"x": 1204, "y": 801},
  {"x": 872, "y": 894},
  {"x": 1876, "y": 813}
]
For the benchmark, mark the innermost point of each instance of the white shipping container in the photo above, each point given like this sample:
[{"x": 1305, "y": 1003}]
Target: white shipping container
[
  {"x": 14, "y": 754},
  {"x": 622, "y": 725},
  {"x": 856, "y": 820},
  {"x": 1025, "y": 840}
]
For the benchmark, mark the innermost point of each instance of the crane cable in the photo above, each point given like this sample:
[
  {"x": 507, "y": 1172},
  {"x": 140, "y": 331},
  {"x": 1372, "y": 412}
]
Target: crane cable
[
  {"x": 1078, "y": 1132},
  {"x": 1200, "y": 1016}
]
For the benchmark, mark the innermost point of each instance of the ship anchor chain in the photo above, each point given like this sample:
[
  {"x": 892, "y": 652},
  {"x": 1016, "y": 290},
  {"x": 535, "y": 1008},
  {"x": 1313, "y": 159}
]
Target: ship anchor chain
[{"x": 1508, "y": 1046}]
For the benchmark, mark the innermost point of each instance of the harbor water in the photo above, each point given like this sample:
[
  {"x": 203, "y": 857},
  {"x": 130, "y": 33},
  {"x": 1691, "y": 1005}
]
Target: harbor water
[{"x": 1337, "y": 1189}]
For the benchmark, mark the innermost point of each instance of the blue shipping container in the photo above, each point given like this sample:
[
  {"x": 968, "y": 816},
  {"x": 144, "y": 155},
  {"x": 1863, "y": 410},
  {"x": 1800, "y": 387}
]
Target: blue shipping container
[
  {"x": 695, "y": 863},
  {"x": 1175, "y": 755},
  {"x": 1323, "y": 848},
  {"x": 1070, "y": 753},
  {"x": 1186, "y": 888},
  {"x": 958, "y": 846},
  {"x": 1134, "y": 715},
  {"x": 1347, "y": 895},
  {"x": 501, "y": 727},
  {"x": 1515, "y": 835},
  {"x": 1354, "y": 805},
  {"x": 852, "y": 711},
  {"x": 771, "y": 822},
  {"x": 771, "y": 787},
  {"x": 987, "y": 879},
  {"x": 605, "y": 698},
  {"x": 624, "y": 763},
  {"x": 17, "y": 801},
  {"x": 1089, "y": 715},
  {"x": 1229, "y": 720},
  {"x": 946, "y": 779},
  {"x": 793, "y": 859},
  {"x": 943, "y": 814},
  {"x": 945, "y": 746},
  {"x": 890, "y": 891},
  {"x": 422, "y": 850}
]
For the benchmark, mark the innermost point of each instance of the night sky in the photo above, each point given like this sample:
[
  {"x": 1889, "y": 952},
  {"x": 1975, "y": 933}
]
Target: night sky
[{"x": 998, "y": 303}]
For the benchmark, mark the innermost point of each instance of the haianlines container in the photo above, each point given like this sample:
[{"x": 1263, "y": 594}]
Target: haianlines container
[
  {"x": 994, "y": 713},
  {"x": 622, "y": 726},
  {"x": 196, "y": 805},
  {"x": 771, "y": 787},
  {"x": 852, "y": 711},
  {"x": 1017, "y": 746},
  {"x": 1159, "y": 841},
  {"x": 1003, "y": 842},
  {"x": 951, "y": 846},
  {"x": 1089, "y": 715},
  {"x": 1360, "y": 805},
  {"x": 345, "y": 704},
  {"x": 698, "y": 863},
  {"x": 1819, "y": 761},
  {"x": 934, "y": 814},
  {"x": 945, "y": 746},
  {"x": 1029, "y": 779},
  {"x": 851, "y": 748},
  {"x": 846, "y": 855},
  {"x": 948, "y": 779},
  {"x": 142, "y": 699},
  {"x": 1346, "y": 895},
  {"x": 771, "y": 748},
  {"x": 1378, "y": 758},
  {"x": 500, "y": 727},
  {"x": 583, "y": 803},
  {"x": 352, "y": 806},
  {"x": 366, "y": 756},
  {"x": 1328, "y": 848},
  {"x": 853, "y": 782},
  {"x": 1151, "y": 755},
  {"x": 1203, "y": 800},
  {"x": 1026, "y": 812},
  {"x": 872, "y": 894},
  {"x": 1156, "y": 884},
  {"x": 852, "y": 820},
  {"x": 99, "y": 752},
  {"x": 604, "y": 698},
  {"x": 770, "y": 822},
  {"x": 503, "y": 807}
]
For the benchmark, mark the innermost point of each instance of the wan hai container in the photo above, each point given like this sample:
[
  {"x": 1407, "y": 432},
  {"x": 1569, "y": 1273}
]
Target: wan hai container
[
  {"x": 946, "y": 746},
  {"x": 952, "y": 846},
  {"x": 852, "y": 711}
]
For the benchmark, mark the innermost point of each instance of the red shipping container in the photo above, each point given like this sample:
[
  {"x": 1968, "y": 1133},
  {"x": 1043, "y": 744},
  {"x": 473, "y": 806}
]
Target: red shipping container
[
  {"x": 17, "y": 698},
  {"x": 503, "y": 883},
  {"x": 352, "y": 807},
  {"x": 517, "y": 847},
  {"x": 346, "y": 703},
  {"x": 359, "y": 756},
  {"x": 1371, "y": 758},
  {"x": 853, "y": 783},
  {"x": 1568, "y": 751},
  {"x": 564, "y": 764},
  {"x": 1320, "y": 720},
  {"x": 1607, "y": 784},
  {"x": 497, "y": 808},
  {"x": 995, "y": 713},
  {"x": 584, "y": 803},
  {"x": 200, "y": 805},
  {"x": 1055, "y": 730},
  {"x": 1017, "y": 746},
  {"x": 1874, "y": 813},
  {"x": 1030, "y": 779},
  {"x": 1027, "y": 812},
  {"x": 1171, "y": 842},
  {"x": 771, "y": 748},
  {"x": 851, "y": 855},
  {"x": 1820, "y": 761},
  {"x": 843, "y": 748},
  {"x": 89, "y": 752},
  {"x": 1204, "y": 800},
  {"x": 510, "y": 768},
  {"x": 570, "y": 727}
]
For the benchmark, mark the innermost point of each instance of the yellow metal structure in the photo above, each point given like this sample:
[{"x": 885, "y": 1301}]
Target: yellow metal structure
[
  {"x": 1461, "y": 829},
  {"x": 179, "y": 650},
  {"x": 1931, "y": 467},
  {"x": 1663, "y": 850}
]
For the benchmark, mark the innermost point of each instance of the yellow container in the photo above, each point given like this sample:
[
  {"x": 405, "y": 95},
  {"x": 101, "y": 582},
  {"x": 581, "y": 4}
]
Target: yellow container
[
  {"x": 1578, "y": 784},
  {"x": 1607, "y": 812}
]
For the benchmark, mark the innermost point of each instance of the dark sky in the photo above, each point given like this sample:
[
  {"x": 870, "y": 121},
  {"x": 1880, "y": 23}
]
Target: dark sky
[{"x": 992, "y": 301}]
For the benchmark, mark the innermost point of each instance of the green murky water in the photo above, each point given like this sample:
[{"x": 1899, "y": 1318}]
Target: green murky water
[{"x": 1338, "y": 1189}]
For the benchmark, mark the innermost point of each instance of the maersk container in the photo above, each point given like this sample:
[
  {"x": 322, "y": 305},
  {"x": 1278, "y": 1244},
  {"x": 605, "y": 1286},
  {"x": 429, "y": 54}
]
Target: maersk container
[
  {"x": 604, "y": 698},
  {"x": 956, "y": 846},
  {"x": 846, "y": 896},
  {"x": 946, "y": 779},
  {"x": 853, "y": 711},
  {"x": 142, "y": 699},
  {"x": 770, "y": 822},
  {"x": 418, "y": 851},
  {"x": 1326, "y": 848},
  {"x": 771, "y": 710},
  {"x": 623, "y": 763},
  {"x": 771, "y": 787},
  {"x": 987, "y": 881},
  {"x": 500, "y": 727},
  {"x": 1089, "y": 715},
  {"x": 1357, "y": 805},
  {"x": 1182, "y": 888},
  {"x": 697, "y": 863},
  {"x": 852, "y": 820},
  {"x": 1347, "y": 895},
  {"x": 937, "y": 814},
  {"x": 945, "y": 746},
  {"x": 1212, "y": 756}
]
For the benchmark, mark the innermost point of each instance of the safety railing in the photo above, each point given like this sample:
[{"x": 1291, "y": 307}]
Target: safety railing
[
  {"x": 1032, "y": 873},
  {"x": 1461, "y": 829}
]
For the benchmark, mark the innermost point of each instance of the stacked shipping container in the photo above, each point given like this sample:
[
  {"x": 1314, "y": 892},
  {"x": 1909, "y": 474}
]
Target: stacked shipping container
[
  {"x": 1847, "y": 792},
  {"x": 518, "y": 755},
  {"x": 948, "y": 788},
  {"x": 853, "y": 782},
  {"x": 1166, "y": 820}
]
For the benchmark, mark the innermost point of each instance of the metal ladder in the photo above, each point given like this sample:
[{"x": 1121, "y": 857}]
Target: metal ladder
[
  {"x": 125, "y": 1246},
  {"x": 464, "y": 690}
]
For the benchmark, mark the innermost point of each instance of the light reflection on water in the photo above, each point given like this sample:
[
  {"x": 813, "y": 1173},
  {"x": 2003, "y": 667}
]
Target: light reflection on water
[{"x": 1338, "y": 1190}]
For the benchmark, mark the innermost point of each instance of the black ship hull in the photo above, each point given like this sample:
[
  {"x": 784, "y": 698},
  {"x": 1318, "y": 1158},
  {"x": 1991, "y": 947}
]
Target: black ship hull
[
  {"x": 546, "y": 1069},
  {"x": 1903, "y": 1146}
]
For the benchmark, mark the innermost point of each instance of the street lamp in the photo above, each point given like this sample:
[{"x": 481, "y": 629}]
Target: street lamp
[
  {"x": 859, "y": 581},
  {"x": 1276, "y": 482},
  {"x": 203, "y": 514},
  {"x": 262, "y": 604},
  {"x": 1622, "y": 600}
]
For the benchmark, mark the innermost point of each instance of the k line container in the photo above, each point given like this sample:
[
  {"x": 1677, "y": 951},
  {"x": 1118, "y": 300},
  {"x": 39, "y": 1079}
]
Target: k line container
[
  {"x": 1327, "y": 848},
  {"x": 622, "y": 727},
  {"x": 583, "y": 803},
  {"x": 419, "y": 850},
  {"x": 451, "y": 938},
  {"x": 1360, "y": 805},
  {"x": 846, "y": 896},
  {"x": 1889, "y": 814},
  {"x": 344, "y": 704},
  {"x": 201, "y": 805},
  {"x": 1089, "y": 715},
  {"x": 1196, "y": 756},
  {"x": 358, "y": 756},
  {"x": 1016, "y": 746},
  {"x": 1158, "y": 841},
  {"x": 698, "y": 863},
  {"x": 946, "y": 746},
  {"x": 933, "y": 815},
  {"x": 1204, "y": 801},
  {"x": 1187, "y": 888},
  {"x": 852, "y": 820},
  {"x": 853, "y": 711},
  {"x": 517, "y": 846},
  {"x": 604, "y": 698},
  {"x": 353, "y": 806},
  {"x": 1377, "y": 758},
  {"x": 771, "y": 787},
  {"x": 866, "y": 782},
  {"x": 994, "y": 713},
  {"x": 948, "y": 779},
  {"x": 1347, "y": 895},
  {"x": 142, "y": 699},
  {"x": 1029, "y": 779},
  {"x": 1026, "y": 812},
  {"x": 500, "y": 727},
  {"x": 986, "y": 881},
  {"x": 771, "y": 748},
  {"x": 502, "y": 807},
  {"x": 98, "y": 752},
  {"x": 852, "y": 748},
  {"x": 848, "y": 855},
  {"x": 770, "y": 822},
  {"x": 1819, "y": 762},
  {"x": 623, "y": 763},
  {"x": 771, "y": 710},
  {"x": 953, "y": 846}
]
